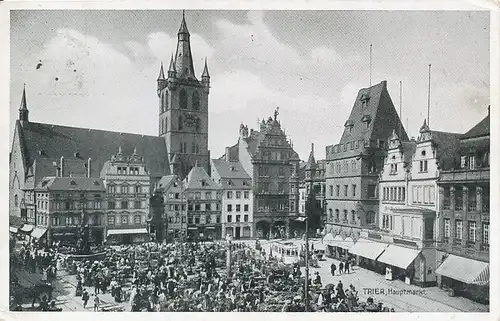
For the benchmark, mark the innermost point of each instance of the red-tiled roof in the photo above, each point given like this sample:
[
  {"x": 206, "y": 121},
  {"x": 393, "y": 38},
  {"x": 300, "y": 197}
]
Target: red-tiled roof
[{"x": 45, "y": 141}]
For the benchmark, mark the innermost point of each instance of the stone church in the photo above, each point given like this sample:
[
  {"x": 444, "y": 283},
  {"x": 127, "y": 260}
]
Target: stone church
[{"x": 182, "y": 140}]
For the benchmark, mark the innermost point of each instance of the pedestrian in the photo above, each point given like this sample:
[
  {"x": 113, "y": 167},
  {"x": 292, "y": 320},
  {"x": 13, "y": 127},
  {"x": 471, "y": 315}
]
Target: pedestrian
[
  {"x": 85, "y": 298},
  {"x": 333, "y": 267},
  {"x": 97, "y": 301},
  {"x": 346, "y": 266},
  {"x": 341, "y": 267}
]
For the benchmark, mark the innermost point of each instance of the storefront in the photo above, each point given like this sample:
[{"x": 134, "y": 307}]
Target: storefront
[
  {"x": 39, "y": 234},
  {"x": 399, "y": 263},
  {"x": 204, "y": 233},
  {"x": 465, "y": 277},
  {"x": 367, "y": 252},
  {"x": 337, "y": 247},
  {"x": 128, "y": 236}
]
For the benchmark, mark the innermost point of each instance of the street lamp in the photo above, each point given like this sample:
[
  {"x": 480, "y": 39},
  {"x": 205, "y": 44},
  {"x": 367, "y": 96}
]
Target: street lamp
[{"x": 306, "y": 286}]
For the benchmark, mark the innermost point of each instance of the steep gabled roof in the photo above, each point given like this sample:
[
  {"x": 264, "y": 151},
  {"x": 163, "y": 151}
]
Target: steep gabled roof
[
  {"x": 197, "y": 176},
  {"x": 42, "y": 141},
  {"x": 378, "y": 110},
  {"x": 481, "y": 129},
  {"x": 447, "y": 147},
  {"x": 231, "y": 171},
  {"x": 165, "y": 182}
]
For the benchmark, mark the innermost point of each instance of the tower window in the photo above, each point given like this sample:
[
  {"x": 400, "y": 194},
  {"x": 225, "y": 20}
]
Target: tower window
[
  {"x": 180, "y": 122},
  {"x": 165, "y": 128},
  {"x": 183, "y": 99},
  {"x": 165, "y": 101},
  {"x": 196, "y": 101}
]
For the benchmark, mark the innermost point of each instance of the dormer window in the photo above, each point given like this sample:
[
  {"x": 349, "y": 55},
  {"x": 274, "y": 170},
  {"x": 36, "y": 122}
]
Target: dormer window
[
  {"x": 232, "y": 168},
  {"x": 422, "y": 153},
  {"x": 230, "y": 183},
  {"x": 364, "y": 100},
  {"x": 366, "y": 119},
  {"x": 72, "y": 182},
  {"x": 96, "y": 183}
]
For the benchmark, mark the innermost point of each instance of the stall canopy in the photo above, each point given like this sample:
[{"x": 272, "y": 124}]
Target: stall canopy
[
  {"x": 398, "y": 256},
  {"x": 13, "y": 229},
  {"x": 128, "y": 231},
  {"x": 38, "y": 232},
  {"x": 27, "y": 228},
  {"x": 329, "y": 239},
  {"x": 368, "y": 249},
  {"x": 465, "y": 270},
  {"x": 347, "y": 243}
]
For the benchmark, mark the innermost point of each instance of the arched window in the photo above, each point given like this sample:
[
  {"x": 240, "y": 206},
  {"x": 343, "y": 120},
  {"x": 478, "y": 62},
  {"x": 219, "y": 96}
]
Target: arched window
[
  {"x": 165, "y": 127},
  {"x": 337, "y": 214},
  {"x": 196, "y": 101},
  {"x": 197, "y": 150},
  {"x": 353, "y": 216},
  {"x": 165, "y": 101},
  {"x": 162, "y": 96},
  {"x": 183, "y": 99},
  {"x": 180, "y": 122},
  {"x": 193, "y": 148},
  {"x": 15, "y": 200},
  {"x": 370, "y": 217},
  {"x": 330, "y": 215}
]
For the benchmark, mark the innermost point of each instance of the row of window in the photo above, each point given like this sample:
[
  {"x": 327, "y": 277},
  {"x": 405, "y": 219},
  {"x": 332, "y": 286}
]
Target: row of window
[
  {"x": 68, "y": 205},
  {"x": 472, "y": 198},
  {"x": 176, "y": 219},
  {"x": 274, "y": 155},
  {"x": 471, "y": 229},
  {"x": 345, "y": 190},
  {"x": 206, "y": 207},
  {"x": 370, "y": 216},
  {"x": 237, "y": 208},
  {"x": 394, "y": 194},
  {"x": 183, "y": 100},
  {"x": 124, "y": 205},
  {"x": 266, "y": 188},
  {"x": 343, "y": 166},
  {"x": 41, "y": 196},
  {"x": 124, "y": 219},
  {"x": 267, "y": 171},
  {"x": 126, "y": 189},
  {"x": 195, "y": 148},
  {"x": 123, "y": 170},
  {"x": 387, "y": 222},
  {"x": 207, "y": 220},
  {"x": 473, "y": 162},
  {"x": 238, "y": 218},
  {"x": 246, "y": 194},
  {"x": 423, "y": 195},
  {"x": 59, "y": 220},
  {"x": 208, "y": 195},
  {"x": 176, "y": 207}
]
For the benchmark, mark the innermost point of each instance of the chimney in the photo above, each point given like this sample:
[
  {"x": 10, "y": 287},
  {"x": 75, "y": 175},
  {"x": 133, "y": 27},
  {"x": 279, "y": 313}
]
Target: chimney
[
  {"x": 61, "y": 167},
  {"x": 227, "y": 155},
  {"x": 89, "y": 167}
]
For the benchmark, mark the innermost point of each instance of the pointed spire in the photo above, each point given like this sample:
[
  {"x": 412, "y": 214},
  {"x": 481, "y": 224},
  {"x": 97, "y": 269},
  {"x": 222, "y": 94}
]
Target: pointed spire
[
  {"x": 311, "y": 162},
  {"x": 23, "y": 106},
  {"x": 183, "y": 28},
  {"x": 394, "y": 136},
  {"x": 171, "y": 68},
  {"x": 205, "y": 70},
  {"x": 424, "y": 127},
  {"x": 161, "y": 76}
]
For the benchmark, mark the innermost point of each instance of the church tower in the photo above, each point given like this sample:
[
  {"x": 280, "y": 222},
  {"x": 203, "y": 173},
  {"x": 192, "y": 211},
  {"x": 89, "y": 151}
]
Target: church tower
[{"x": 183, "y": 115}]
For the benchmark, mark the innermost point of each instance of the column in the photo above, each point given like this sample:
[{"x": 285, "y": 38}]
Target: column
[
  {"x": 452, "y": 198},
  {"x": 479, "y": 199},
  {"x": 465, "y": 193},
  {"x": 441, "y": 198},
  {"x": 479, "y": 233}
]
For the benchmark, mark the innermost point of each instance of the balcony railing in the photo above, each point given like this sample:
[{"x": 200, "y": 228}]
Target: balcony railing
[
  {"x": 472, "y": 206},
  {"x": 446, "y": 204}
]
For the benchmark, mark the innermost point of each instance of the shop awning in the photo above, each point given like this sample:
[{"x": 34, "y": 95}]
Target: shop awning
[
  {"x": 368, "y": 249},
  {"x": 465, "y": 270},
  {"x": 329, "y": 239},
  {"x": 38, "y": 232},
  {"x": 398, "y": 256},
  {"x": 192, "y": 228},
  {"x": 27, "y": 228},
  {"x": 210, "y": 228},
  {"x": 13, "y": 229},
  {"x": 128, "y": 231},
  {"x": 347, "y": 243}
]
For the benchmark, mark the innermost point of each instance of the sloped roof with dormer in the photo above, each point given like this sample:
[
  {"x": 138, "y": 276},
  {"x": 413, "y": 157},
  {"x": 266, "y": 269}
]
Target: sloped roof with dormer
[
  {"x": 50, "y": 142},
  {"x": 231, "y": 172},
  {"x": 447, "y": 146},
  {"x": 82, "y": 184},
  {"x": 197, "y": 176}
]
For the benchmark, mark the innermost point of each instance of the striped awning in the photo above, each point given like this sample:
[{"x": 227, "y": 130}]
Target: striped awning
[
  {"x": 368, "y": 249},
  {"x": 398, "y": 256},
  {"x": 465, "y": 270}
]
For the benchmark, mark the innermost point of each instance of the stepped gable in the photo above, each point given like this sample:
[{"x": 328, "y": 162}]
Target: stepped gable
[{"x": 46, "y": 141}]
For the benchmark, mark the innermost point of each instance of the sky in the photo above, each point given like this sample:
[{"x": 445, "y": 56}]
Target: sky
[{"x": 98, "y": 68}]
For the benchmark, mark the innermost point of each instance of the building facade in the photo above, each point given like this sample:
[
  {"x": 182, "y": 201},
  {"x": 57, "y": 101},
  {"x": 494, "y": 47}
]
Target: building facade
[
  {"x": 464, "y": 217},
  {"x": 128, "y": 187},
  {"x": 353, "y": 165},
  {"x": 237, "y": 198},
  {"x": 64, "y": 205},
  {"x": 204, "y": 204},
  {"x": 183, "y": 115},
  {"x": 268, "y": 157},
  {"x": 175, "y": 208}
]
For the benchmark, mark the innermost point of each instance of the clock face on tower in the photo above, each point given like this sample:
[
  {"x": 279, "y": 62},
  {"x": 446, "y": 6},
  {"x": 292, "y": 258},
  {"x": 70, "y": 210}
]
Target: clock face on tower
[{"x": 192, "y": 121}]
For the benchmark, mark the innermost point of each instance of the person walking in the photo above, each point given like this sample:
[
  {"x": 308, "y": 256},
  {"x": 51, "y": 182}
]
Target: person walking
[
  {"x": 97, "y": 301},
  {"x": 346, "y": 266},
  {"x": 341, "y": 267},
  {"x": 333, "y": 267},
  {"x": 85, "y": 298}
]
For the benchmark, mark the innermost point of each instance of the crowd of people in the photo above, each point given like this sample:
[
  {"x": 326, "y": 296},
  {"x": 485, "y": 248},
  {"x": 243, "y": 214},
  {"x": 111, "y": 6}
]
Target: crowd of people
[{"x": 195, "y": 277}]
